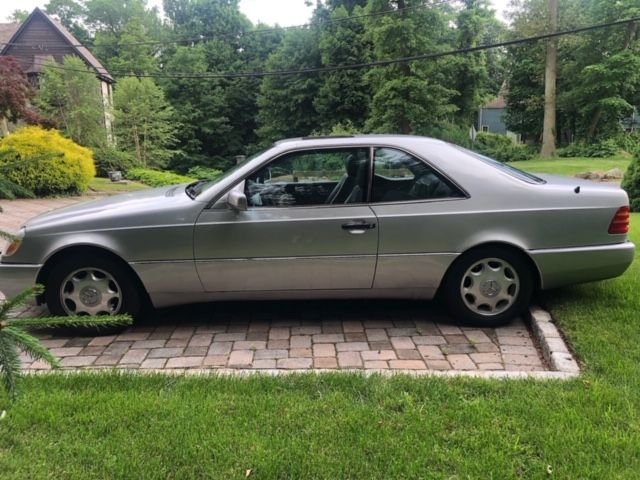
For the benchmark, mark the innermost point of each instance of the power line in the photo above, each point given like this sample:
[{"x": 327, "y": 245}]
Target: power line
[
  {"x": 261, "y": 31},
  {"x": 357, "y": 66}
]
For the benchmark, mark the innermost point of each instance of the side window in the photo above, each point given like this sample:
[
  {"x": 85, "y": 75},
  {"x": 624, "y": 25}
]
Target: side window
[
  {"x": 311, "y": 177},
  {"x": 398, "y": 177}
]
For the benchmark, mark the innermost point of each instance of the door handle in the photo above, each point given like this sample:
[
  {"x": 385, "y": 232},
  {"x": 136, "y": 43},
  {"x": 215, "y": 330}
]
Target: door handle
[{"x": 358, "y": 227}]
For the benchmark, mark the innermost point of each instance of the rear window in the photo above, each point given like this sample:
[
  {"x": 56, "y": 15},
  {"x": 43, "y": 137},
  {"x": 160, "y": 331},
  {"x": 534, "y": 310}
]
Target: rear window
[{"x": 506, "y": 168}]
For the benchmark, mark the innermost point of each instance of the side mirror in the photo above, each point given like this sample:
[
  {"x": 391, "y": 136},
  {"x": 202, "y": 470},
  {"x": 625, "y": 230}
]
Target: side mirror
[{"x": 237, "y": 201}]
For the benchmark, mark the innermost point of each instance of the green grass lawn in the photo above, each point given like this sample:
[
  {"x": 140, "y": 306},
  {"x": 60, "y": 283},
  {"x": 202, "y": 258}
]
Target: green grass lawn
[
  {"x": 337, "y": 426},
  {"x": 104, "y": 185},
  {"x": 571, "y": 166}
]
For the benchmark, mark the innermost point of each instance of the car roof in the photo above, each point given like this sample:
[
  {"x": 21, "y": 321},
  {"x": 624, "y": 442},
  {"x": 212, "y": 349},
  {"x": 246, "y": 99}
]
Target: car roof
[{"x": 338, "y": 140}]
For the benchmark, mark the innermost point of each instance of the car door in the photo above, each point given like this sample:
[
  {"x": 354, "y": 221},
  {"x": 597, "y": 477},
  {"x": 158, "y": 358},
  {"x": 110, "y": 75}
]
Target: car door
[
  {"x": 306, "y": 227},
  {"x": 416, "y": 206}
]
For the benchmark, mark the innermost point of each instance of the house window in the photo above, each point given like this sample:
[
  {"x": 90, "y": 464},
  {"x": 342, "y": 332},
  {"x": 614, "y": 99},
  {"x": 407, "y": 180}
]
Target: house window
[{"x": 485, "y": 128}]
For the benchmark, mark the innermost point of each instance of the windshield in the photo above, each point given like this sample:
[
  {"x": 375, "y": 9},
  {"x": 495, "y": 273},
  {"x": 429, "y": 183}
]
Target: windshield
[
  {"x": 196, "y": 189},
  {"x": 513, "y": 171}
]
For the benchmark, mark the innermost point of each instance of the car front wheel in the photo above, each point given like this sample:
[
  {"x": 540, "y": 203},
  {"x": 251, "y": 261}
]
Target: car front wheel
[
  {"x": 83, "y": 285},
  {"x": 488, "y": 287}
]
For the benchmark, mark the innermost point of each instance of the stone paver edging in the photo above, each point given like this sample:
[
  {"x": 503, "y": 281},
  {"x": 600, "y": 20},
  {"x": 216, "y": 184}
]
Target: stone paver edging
[{"x": 554, "y": 349}]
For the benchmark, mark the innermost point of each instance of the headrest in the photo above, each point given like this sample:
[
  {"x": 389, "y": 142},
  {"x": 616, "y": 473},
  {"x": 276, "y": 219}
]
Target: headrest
[{"x": 354, "y": 163}]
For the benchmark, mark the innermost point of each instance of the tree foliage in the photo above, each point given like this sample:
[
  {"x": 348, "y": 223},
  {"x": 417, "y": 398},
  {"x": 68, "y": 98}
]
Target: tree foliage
[
  {"x": 631, "y": 183},
  {"x": 70, "y": 99},
  {"x": 598, "y": 81},
  {"x": 597, "y": 71},
  {"x": 144, "y": 123},
  {"x": 15, "y": 94}
]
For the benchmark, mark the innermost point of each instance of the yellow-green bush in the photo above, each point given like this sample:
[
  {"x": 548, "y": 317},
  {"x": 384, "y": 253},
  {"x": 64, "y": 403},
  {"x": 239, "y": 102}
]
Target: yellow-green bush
[{"x": 45, "y": 162}]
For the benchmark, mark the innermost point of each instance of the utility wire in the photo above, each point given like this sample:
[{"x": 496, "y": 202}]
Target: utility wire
[
  {"x": 236, "y": 35},
  {"x": 357, "y": 66}
]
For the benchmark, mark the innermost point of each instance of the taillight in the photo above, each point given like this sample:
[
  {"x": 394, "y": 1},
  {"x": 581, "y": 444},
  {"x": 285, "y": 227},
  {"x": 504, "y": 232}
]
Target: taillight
[{"x": 620, "y": 223}]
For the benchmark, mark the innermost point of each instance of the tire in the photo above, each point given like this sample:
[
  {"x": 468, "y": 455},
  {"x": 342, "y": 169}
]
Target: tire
[
  {"x": 488, "y": 287},
  {"x": 91, "y": 285}
]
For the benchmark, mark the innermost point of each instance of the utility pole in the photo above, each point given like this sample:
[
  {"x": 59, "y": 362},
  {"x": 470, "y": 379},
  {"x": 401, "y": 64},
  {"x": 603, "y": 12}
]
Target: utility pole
[{"x": 550, "y": 74}]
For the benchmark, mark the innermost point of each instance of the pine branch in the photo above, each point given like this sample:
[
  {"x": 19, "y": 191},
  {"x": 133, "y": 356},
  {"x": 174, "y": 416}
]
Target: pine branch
[
  {"x": 9, "y": 366},
  {"x": 30, "y": 345},
  {"x": 50, "y": 322},
  {"x": 19, "y": 299}
]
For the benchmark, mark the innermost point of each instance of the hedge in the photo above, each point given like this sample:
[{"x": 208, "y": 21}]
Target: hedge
[{"x": 156, "y": 178}]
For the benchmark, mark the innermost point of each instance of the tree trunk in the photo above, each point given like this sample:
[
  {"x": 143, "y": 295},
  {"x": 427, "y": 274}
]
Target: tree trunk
[
  {"x": 632, "y": 33},
  {"x": 549, "y": 125},
  {"x": 591, "y": 132},
  {"x": 4, "y": 126}
]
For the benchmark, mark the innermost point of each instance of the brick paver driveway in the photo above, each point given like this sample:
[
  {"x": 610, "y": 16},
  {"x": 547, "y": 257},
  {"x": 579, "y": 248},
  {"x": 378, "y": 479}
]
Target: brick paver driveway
[{"x": 371, "y": 335}]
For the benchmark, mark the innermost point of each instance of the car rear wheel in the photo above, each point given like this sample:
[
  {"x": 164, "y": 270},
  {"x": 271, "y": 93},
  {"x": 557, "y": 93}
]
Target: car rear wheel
[
  {"x": 488, "y": 287},
  {"x": 84, "y": 285}
]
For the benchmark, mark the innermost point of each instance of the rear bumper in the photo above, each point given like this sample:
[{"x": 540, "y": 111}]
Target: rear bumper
[
  {"x": 566, "y": 266},
  {"x": 16, "y": 278}
]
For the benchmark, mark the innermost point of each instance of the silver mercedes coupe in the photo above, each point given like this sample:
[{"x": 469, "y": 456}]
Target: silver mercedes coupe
[{"x": 341, "y": 217}]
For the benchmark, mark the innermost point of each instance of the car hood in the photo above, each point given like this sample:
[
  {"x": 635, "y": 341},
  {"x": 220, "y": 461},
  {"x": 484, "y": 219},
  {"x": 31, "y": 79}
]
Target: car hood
[{"x": 125, "y": 210}]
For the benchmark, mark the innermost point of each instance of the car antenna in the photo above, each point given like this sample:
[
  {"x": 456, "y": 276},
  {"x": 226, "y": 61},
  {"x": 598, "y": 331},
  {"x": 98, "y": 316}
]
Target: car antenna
[{"x": 577, "y": 189}]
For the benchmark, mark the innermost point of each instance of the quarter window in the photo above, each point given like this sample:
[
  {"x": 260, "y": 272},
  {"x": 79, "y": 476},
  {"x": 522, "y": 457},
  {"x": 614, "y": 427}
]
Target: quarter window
[
  {"x": 309, "y": 178},
  {"x": 399, "y": 177}
]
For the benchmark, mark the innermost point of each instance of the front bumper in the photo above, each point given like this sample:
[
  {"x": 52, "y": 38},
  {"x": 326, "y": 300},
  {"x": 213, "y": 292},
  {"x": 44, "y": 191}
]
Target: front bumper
[
  {"x": 16, "y": 278},
  {"x": 567, "y": 266}
]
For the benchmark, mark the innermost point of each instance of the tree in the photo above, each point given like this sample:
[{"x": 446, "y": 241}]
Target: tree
[
  {"x": 18, "y": 16},
  {"x": 344, "y": 95},
  {"x": 408, "y": 97},
  {"x": 200, "y": 110},
  {"x": 550, "y": 75},
  {"x": 218, "y": 115},
  {"x": 287, "y": 101},
  {"x": 119, "y": 26},
  {"x": 134, "y": 53},
  {"x": 144, "y": 122},
  {"x": 597, "y": 75},
  {"x": 472, "y": 75},
  {"x": 71, "y": 14},
  {"x": 70, "y": 98},
  {"x": 15, "y": 95}
]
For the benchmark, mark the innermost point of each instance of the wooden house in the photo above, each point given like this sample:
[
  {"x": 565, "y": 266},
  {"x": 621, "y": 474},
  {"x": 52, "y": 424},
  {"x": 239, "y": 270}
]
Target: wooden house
[{"x": 41, "y": 39}]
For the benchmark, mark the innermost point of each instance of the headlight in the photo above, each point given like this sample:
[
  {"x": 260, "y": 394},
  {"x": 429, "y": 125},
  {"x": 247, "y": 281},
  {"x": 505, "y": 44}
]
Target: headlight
[{"x": 14, "y": 244}]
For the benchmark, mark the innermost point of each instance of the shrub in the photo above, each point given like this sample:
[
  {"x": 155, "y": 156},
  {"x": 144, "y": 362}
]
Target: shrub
[
  {"x": 451, "y": 133},
  {"x": 204, "y": 173},
  {"x": 156, "y": 178},
  {"x": 110, "y": 159},
  {"x": 629, "y": 142},
  {"x": 501, "y": 148},
  {"x": 45, "y": 162},
  {"x": 604, "y": 148},
  {"x": 631, "y": 183}
]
